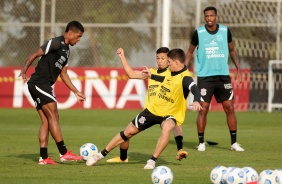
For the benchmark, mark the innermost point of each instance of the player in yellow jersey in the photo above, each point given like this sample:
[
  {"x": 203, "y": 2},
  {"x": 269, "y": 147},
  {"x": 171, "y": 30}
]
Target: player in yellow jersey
[
  {"x": 163, "y": 70},
  {"x": 167, "y": 108}
]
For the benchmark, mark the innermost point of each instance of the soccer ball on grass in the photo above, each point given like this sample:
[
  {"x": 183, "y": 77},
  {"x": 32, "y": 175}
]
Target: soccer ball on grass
[
  {"x": 236, "y": 176},
  {"x": 268, "y": 177},
  {"x": 87, "y": 150},
  {"x": 252, "y": 175},
  {"x": 216, "y": 174},
  {"x": 162, "y": 175}
]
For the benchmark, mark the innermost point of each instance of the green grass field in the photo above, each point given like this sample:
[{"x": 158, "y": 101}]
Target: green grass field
[{"x": 258, "y": 133}]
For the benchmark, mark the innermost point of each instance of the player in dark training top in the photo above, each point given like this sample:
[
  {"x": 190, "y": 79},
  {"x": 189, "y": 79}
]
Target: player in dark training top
[{"x": 53, "y": 62}]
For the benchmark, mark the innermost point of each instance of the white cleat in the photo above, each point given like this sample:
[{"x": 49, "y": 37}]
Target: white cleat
[
  {"x": 150, "y": 164},
  {"x": 236, "y": 147},
  {"x": 202, "y": 147},
  {"x": 94, "y": 159}
]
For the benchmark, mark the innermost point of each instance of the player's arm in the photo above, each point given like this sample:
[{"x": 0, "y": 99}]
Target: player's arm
[
  {"x": 192, "y": 47},
  {"x": 38, "y": 53},
  {"x": 189, "y": 84},
  {"x": 131, "y": 74},
  {"x": 66, "y": 79},
  {"x": 235, "y": 58}
]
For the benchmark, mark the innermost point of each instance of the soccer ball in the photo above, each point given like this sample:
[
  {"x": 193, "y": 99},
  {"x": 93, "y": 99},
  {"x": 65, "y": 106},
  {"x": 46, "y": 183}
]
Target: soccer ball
[
  {"x": 268, "y": 177},
  {"x": 162, "y": 175},
  {"x": 216, "y": 174},
  {"x": 224, "y": 175},
  {"x": 279, "y": 174},
  {"x": 252, "y": 174},
  {"x": 236, "y": 176},
  {"x": 87, "y": 150}
]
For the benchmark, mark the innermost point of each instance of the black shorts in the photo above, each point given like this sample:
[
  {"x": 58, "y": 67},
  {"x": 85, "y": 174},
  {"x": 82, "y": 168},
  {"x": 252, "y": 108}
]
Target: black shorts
[
  {"x": 41, "y": 94},
  {"x": 146, "y": 119},
  {"x": 220, "y": 86}
]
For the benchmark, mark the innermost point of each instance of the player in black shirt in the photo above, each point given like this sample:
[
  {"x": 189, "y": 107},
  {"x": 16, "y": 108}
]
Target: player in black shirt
[{"x": 54, "y": 61}]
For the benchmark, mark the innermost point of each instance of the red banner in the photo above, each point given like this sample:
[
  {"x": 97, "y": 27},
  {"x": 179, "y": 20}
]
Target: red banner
[{"x": 105, "y": 88}]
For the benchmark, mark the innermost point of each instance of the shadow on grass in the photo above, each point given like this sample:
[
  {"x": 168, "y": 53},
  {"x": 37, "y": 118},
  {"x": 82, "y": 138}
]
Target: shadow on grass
[
  {"x": 194, "y": 145},
  {"x": 141, "y": 158},
  {"x": 33, "y": 157}
]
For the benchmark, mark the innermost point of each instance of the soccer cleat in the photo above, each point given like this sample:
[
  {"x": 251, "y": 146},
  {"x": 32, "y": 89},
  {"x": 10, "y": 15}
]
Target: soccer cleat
[
  {"x": 181, "y": 154},
  {"x": 236, "y": 147},
  {"x": 47, "y": 160},
  {"x": 69, "y": 156},
  {"x": 202, "y": 147},
  {"x": 94, "y": 159},
  {"x": 117, "y": 160},
  {"x": 150, "y": 164}
]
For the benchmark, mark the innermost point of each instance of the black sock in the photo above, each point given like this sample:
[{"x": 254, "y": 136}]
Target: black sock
[
  {"x": 104, "y": 152},
  {"x": 123, "y": 154},
  {"x": 153, "y": 158},
  {"x": 201, "y": 137},
  {"x": 62, "y": 147},
  {"x": 179, "y": 143},
  {"x": 233, "y": 134},
  {"x": 43, "y": 153}
]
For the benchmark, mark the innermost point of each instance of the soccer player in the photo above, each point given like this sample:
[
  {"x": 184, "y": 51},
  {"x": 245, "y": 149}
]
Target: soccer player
[
  {"x": 214, "y": 44},
  {"x": 168, "y": 108},
  {"x": 162, "y": 62},
  {"x": 54, "y": 61}
]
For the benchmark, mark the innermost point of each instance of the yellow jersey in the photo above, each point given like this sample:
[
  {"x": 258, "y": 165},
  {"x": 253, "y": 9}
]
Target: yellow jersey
[
  {"x": 153, "y": 85},
  {"x": 170, "y": 99}
]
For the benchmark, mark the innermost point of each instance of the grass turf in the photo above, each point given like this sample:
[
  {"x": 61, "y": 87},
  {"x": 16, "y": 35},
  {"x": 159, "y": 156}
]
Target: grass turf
[{"x": 258, "y": 133}]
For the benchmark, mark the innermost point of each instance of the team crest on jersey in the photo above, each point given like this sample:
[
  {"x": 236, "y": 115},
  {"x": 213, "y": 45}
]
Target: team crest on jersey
[
  {"x": 168, "y": 82},
  {"x": 219, "y": 37},
  {"x": 142, "y": 120},
  {"x": 203, "y": 92}
]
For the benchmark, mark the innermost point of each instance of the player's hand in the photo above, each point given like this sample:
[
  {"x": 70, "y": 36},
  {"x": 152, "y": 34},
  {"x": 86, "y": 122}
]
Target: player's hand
[
  {"x": 146, "y": 72},
  {"x": 80, "y": 97},
  {"x": 120, "y": 52},
  {"x": 196, "y": 106},
  {"x": 238, "y": 77},
  {"x": 23, "y": 76}
]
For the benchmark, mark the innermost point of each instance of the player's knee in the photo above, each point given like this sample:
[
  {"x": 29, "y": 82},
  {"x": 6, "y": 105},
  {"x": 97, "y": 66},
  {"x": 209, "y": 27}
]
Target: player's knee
[{"x": 123, "y": 136}]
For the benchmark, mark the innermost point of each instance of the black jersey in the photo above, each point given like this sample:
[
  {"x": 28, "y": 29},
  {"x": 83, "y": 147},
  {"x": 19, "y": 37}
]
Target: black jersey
[{"x": 56, "y": 54}]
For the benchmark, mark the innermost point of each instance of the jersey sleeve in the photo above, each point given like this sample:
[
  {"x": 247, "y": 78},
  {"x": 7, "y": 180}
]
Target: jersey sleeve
[
  {"x": 157, "y": 78},
  {"x": 189, "y": 84},
  {"x": 195, "y": 39},
  {"x": 229, "y": 36},
  {"x": 50, "y": 45}
]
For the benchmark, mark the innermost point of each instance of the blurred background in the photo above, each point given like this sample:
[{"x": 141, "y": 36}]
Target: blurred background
[{"x": 142, "y": 26}]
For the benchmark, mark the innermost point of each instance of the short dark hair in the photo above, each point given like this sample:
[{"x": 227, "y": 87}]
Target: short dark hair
[
  {"x": 162, "y": 50},
  {"x": 75, "y": 26},
  {"x": 210, "y": 8},
  {"x": 177, "y": 54}
]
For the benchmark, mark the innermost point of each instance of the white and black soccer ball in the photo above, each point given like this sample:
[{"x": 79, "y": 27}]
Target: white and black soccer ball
[
  {"x": 216, "y": 174},
  {"x": 252, "y": 175},
  {"x": 236, "y": 176},
  {"x": 87, "y": 150},
  {"x": 268, "y": 177},
  {"x": 162, "y": 175}
]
